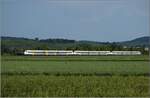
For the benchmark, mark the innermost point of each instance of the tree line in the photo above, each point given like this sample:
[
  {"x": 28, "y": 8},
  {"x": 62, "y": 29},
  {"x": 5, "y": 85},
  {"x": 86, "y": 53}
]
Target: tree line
[
  {"x": 14, "y": 50},
  {"x": 16, "y": 46}
]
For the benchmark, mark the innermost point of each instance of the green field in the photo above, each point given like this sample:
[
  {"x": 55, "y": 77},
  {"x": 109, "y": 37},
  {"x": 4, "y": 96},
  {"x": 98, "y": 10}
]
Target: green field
[
  {"x": 76, "y": 58},
  {"x": 75, "y": 76}
]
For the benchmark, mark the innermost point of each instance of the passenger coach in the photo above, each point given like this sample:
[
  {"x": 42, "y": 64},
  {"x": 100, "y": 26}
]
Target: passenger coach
[{"x": 70, "y": 52}]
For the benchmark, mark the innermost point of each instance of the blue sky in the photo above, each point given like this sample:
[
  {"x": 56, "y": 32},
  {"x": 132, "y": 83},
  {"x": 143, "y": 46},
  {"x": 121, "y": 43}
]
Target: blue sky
[{"x": 95, "y": 20}]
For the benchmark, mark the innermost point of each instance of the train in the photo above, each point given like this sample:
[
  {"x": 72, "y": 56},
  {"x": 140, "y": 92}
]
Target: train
[{"x": 78, "y": 52}]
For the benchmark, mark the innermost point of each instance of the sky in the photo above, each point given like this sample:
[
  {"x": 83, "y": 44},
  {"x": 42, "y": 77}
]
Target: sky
[{"x": 94, "y": 20}]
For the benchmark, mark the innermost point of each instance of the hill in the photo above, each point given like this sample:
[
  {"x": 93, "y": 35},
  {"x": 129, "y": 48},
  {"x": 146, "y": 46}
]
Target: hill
[
  {"x": 142, "y": 41},
  {"x": 15, "y": 44}
]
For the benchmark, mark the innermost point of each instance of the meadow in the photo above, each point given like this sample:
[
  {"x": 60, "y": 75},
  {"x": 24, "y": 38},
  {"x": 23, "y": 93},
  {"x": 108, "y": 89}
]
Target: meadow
[{"x": 75, "y": 76}]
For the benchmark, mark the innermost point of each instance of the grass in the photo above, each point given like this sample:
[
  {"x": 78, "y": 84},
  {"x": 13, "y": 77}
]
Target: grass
[
  {"x": 80, "y": 67},
  {"x": 88, "y": 86},
  {"x": 84, "y": 76},
  {"x": 76, "y": 58}
]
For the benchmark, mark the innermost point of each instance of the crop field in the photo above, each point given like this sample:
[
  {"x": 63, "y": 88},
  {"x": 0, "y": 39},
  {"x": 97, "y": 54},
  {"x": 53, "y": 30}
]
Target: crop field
[{"x": 83, "y": 76}]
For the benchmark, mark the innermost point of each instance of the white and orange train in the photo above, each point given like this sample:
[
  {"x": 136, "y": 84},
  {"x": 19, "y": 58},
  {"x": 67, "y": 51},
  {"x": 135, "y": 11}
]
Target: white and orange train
[{"x": 80, "y": 53}]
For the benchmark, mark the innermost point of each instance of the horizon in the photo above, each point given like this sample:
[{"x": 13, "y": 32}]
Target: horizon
[
  {"x": 75, "y": 40},
  {"x": 100, "y": 21}
]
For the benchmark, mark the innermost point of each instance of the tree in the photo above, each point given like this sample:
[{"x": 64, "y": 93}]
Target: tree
[{"x": 36, "y": 39}]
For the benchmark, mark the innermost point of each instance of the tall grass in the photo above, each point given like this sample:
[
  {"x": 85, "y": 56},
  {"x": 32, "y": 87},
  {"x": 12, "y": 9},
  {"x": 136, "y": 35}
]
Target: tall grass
[
  {"x": 83, "y": 86},
  {"x": 70, "y": 76}
]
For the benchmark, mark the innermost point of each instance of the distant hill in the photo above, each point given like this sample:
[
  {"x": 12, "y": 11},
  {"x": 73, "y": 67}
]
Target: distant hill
[
  {"x": 142, "y": 41},
  {"x": 15, "y": 42},
  {"x": 15, "y": 45}
]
